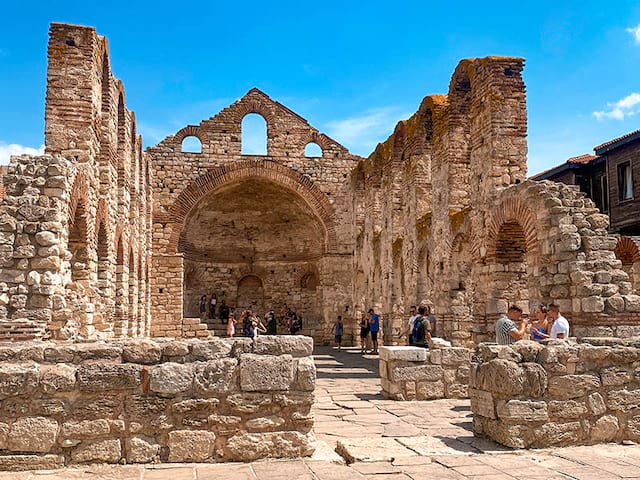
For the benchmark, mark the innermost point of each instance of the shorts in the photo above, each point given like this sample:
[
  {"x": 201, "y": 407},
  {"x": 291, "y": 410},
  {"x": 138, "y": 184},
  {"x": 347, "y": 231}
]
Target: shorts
[
  {"x": 338, "y": 338},
  {"x": 364, "y": 332},
  {"x": 374, "y": 336}
]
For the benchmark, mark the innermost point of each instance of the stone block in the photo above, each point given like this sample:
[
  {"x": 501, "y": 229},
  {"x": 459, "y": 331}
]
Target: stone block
[
  {"x": 605, "y": 429},
  {"x": 105, "y": 451},
  {"x": 456, "y": 390},
  {"x": 294, "y": 345},
  {"x": 500, "y": 376},
  {"x": 85, "y": 429},
  {"x": 566, "y": 387},
  {"x": 249, "y": 402},
  {"x": 596, "y": 404},
  {"x": 535, "y": 380},
  {"x": 594, "y": 304},
  {"x": 528, "y": 349},
  {"x": 175, "y": 348},
  {"x": 567, "y": 409},
  {"x": 32, "y": 434},
  {"x": 407, "y": 354},
  {"x": 170, "y": 379},
  {"x": 265, "y": 372},
  {"x": 196, "y": 405},
  {"x": 430, "y": 390},
  {"x": 140, "y": 450},
  {"x": 94, "y": 377},
  {"x": 141, "y": 351},
  {"x": 305, "y": 378},
  {"x": 213, "y": 349},
  {"x": 482, "y": 403},
  {"x": 57, "y": 378},
  {"x": 17, "y": 379},
  {"x": 4, "y": 434},
  {"x": 559, "y": 434},
  {"x": 456, "y": 356},
  {"x": 247, "y": 447},
  {"x": 217, "y": 376},
  {"x": 615, "y": 376},
  {"x": 623, "y": 400},
  {"x": 18, "y": 463},
  {"x": 429, "y": 373},
  {"x": 191, "y": 445},
  {"x": 271, "y": 422},
  {"x": 523, "y": 411}
]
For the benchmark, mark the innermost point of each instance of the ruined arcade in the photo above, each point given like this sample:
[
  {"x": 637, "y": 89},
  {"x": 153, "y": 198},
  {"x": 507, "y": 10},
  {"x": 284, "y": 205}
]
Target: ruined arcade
[{"x": 102, "y": 240}]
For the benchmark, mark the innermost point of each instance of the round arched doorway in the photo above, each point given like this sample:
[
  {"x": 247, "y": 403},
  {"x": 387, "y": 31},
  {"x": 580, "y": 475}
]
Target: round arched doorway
[{"x": 247, "y": 241}]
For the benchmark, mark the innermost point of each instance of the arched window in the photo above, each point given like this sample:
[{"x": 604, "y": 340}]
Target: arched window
[
  {"x": 191, "y": 144},
  {"x": 312, "y": 150},
  {"x": 254, "y": 135}
]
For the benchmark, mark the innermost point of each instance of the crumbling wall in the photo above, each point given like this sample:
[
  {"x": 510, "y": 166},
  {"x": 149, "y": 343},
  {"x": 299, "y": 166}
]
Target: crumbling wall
[
  {"x": 139, "y": 401},
  {"x": 307, "y": 191},
  {"x": 89, "y": 196},
  {"x": 530, "y": 395},
  {"x": 414, "y": 373},
  {"x": 444, "y": 217}
]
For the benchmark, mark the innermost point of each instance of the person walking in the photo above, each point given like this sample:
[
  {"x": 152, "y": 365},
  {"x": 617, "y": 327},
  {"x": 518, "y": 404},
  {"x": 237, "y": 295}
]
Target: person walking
[
  {"x": 203, "y": 308},
  {"x": 231, "y": 325},
  {"x": 408, "y": 328},
  {"x": 374, "y": 328},
  {"x": 507, "y": 333},
  {"x": 338, "y": 328},
  {"x": 364, "y": 334}
]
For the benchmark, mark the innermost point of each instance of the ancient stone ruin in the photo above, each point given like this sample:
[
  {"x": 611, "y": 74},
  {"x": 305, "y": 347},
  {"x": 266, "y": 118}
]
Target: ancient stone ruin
[{"x": 101, "y": 240}]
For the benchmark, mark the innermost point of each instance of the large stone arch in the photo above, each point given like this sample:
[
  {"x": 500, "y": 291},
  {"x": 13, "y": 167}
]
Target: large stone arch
[
  {"x": 252, "y": 169},
  {"x": 512, "y": 210}
]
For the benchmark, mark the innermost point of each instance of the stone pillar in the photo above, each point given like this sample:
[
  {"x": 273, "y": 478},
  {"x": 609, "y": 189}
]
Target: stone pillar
[{"x": 167, "y": 287}]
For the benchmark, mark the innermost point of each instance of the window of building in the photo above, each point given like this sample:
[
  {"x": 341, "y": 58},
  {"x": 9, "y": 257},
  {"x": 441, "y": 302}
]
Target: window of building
[
  {"x": 625, "y": 183},
  {"x": 604, "y": 186}
]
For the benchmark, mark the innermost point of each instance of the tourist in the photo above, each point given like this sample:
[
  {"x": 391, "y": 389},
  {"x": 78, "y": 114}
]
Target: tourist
[
  {"x": 560, "y": 325},
  {"x": 420, "y": 329},
  {"x": 272, "y": 324},
  {"x": 409, "y": 325},
  {"x": 247, "y": 323},
  {"x": 432, "y": 321},
  {"x": 507, "y": 332},
  {"x": 224, "y": 312},
  {"x": 374, "y": 328},
  {"x": 338, "y": 328},
  {"x": 540, "y": 324},
  {"x": 296, "y": 323},
  {"x": 364, "y": 334},
  {"x": 213, "y": 302},
  {"x": 231, "y": 325},
  {"x": 258, "y": 326},
  {"x": 203, "y": 308}
]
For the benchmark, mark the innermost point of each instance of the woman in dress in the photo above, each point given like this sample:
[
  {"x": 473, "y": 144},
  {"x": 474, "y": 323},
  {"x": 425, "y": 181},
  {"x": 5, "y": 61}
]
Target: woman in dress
[
  {"x": 231, "y": 325},
  {"x": 540, "y": 324}
]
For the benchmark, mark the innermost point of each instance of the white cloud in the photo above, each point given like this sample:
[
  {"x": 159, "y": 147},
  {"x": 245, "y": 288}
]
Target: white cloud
[
  {"x": 363, "y": 132},
  {"x": 635, "y": 31},
  {"x": 6, "y": 150},
  {"x": 627, "y": 107}
]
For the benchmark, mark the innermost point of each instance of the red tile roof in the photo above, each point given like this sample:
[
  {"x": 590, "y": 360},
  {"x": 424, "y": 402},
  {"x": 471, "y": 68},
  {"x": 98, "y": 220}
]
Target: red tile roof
[
  {"x": 586, "y": 158},
  {"x": 580, "y": 159},
  {"x": 616, "y": 140}
]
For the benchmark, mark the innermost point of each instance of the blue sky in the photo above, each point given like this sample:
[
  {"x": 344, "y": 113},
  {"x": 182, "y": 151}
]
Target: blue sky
[{"x": 352, "y": 69}]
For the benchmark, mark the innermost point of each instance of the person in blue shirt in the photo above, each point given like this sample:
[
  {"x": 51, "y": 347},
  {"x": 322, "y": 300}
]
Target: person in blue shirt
[
  {"x": 338, "y": 328},
  {"x": 374, "y": 328}
]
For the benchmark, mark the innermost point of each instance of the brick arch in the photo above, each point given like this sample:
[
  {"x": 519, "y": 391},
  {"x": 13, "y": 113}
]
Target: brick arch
[
  {"x": 251, "y": 169},
  {"x": 79, "y": 194},
  {"x": 102, "y": 216},
  {"x": 627, "y": 251},
  {"x": 253, "y": 105},
  {"x": 305, "y": 271},
  {"x": 513, "y": 211},
  {"x": 188, "y": 131}
]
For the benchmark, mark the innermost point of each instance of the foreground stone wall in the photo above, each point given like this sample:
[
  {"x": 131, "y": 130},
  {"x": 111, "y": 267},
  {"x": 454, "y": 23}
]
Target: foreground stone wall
[
  {"x": 413, "y": 373},
  {"x": 140, "y": 401},
  {"x": 530, "y": 395}
]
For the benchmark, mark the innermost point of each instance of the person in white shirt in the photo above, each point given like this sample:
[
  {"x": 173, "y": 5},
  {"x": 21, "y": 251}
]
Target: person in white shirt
[
  {"x": 560, "y": 326},
  {"x": 409, "y": 325}
]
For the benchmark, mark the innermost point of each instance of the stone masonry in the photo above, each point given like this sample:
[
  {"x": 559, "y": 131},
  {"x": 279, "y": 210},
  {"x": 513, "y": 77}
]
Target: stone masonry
[
  {"x": 99, "y": 239},
  {"x": 530, "y": 395},
  {"x": 141, "y": 401},
  {"x": 414, "y": 373}
]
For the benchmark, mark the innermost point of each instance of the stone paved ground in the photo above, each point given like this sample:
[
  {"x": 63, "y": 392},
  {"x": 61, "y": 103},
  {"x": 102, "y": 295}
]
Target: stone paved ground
[{"x": 385, "y": 440}]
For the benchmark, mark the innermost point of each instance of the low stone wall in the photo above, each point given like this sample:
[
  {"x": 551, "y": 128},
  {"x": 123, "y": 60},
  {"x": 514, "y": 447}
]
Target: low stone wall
[
  {"x": 413, "y": 373},
  {"x": 532, "y": 395},
  {"x": 140, "y": 401}
]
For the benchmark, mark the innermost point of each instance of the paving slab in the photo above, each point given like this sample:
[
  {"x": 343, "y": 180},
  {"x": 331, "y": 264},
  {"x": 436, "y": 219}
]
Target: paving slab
[{"x": 368, "y": 449}]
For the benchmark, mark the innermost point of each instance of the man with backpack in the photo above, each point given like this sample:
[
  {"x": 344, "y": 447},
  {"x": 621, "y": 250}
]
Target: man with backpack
[{"x": 420, "y": 334}]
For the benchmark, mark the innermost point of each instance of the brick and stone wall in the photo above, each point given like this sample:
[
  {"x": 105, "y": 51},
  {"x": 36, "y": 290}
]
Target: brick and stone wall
[
  {"x": 413, "y": 373},
  {"x": 140, "y": 401},
  {"x": 562, "y": 393}
]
